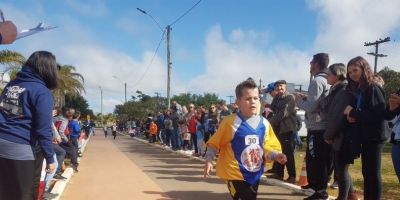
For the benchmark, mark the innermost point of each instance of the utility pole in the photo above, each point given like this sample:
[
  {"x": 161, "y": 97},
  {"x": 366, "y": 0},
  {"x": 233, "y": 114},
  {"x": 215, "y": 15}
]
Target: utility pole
[
  {"x": 300, "y": 85},
  {"x": 101, "y": 100},
  {"x": 125, "y": 92},
  {"x": 230, "y": 99},
  {"x": 376, "y": 44},
  {"x": 168, "y": 30},
  {"x": 169, "y": 67}
]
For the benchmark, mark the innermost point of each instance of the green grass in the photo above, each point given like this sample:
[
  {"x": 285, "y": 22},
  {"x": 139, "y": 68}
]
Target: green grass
[{"x": 390, "y": 183}]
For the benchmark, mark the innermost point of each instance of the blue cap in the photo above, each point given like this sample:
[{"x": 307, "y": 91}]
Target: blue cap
[{"x": 270, "y": 87}]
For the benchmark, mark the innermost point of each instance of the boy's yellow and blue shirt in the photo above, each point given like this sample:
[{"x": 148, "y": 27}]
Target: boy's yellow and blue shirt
[{"x": 242, "y": 148}]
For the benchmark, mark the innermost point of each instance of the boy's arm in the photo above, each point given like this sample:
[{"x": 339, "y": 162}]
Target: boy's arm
[
  {"x": 218, "y": 140},
  {"x": 272, "y": 147}
]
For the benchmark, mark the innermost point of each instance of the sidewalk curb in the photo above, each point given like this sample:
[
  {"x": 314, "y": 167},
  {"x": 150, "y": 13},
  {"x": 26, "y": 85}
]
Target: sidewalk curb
[
  {"x": 296, "y": 189},
  {"x": 60, "y": 185}
]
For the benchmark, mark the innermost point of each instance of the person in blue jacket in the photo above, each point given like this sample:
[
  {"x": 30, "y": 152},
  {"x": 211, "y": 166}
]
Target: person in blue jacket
[{"x": 26, "y": 105}]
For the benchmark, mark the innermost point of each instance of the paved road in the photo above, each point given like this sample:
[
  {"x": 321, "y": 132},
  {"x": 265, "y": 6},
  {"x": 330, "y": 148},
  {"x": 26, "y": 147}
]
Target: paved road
[{"x": 136, "y": 164}]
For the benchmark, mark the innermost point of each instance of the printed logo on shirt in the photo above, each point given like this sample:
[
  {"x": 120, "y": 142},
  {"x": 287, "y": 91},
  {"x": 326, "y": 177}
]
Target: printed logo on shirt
[
  {"x": 10, "y": 103},
  {"x": 251, "y": 157}
]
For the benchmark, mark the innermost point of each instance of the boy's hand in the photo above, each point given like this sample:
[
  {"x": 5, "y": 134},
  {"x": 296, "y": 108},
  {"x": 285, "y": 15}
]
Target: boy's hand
[
  {"x": 281, "y": 158},
  {"x": 207, "y": 168}
]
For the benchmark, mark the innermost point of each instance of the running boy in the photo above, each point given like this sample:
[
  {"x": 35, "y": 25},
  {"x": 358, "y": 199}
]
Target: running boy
[{"x": 245, "y": 141}]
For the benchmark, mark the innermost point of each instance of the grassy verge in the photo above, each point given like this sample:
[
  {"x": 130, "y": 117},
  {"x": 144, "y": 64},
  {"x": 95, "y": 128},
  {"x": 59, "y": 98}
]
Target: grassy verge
[{"x": 390, "y": 183}]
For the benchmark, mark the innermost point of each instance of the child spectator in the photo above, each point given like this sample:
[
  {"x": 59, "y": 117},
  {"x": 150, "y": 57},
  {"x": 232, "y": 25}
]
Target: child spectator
[
  {"x": 184, "y": 130},
  {"x": 153, "y": 131},
  {"x": 245, "y": 141}
]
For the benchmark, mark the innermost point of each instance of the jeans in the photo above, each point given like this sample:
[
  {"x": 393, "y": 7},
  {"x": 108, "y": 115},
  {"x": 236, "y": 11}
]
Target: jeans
[
  {"x": 343, "y": 177},
  {"x": 371, "y": 153},
  {"x": 168, "y": 134},
  {"x": 176, "y": 139},
  {"x": 50, "y": 175},
  {"x": 396, "y": 159},
  {"x": 60, "y": 152}
]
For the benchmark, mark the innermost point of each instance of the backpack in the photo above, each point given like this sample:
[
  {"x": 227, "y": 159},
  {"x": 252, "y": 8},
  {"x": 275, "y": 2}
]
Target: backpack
[{"x": 66, "y": 131}]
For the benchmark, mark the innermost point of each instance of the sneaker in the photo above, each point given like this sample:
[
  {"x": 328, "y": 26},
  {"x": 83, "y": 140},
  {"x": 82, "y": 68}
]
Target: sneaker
[
  {"x": 48, "y": 196},
  {"x": 334, "y": 185},
  {"x": 75, "y": 168},
  {"x": 317, "y": 196},
  {"x": 58, "y": 176},
  {"x": 275, "y": 176},
  {"x": 291, "y": 180}
]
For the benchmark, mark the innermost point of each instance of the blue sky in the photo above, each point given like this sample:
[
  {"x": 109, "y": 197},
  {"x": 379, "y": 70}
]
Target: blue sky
[{"x": 215, "y": 46}]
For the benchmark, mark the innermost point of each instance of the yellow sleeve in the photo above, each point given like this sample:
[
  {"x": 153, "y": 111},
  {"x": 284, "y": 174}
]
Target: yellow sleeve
[
  {"x": 223, "y": 134},
  {"x": 271, "y": 142}
]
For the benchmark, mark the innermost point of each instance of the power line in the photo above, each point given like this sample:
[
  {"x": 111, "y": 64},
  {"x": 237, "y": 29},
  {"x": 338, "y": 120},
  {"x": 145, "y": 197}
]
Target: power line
[
  {"x": 376, "y": 44},
  {"x": 151, "y": 61},
  {"x": 179, "y": 18}
]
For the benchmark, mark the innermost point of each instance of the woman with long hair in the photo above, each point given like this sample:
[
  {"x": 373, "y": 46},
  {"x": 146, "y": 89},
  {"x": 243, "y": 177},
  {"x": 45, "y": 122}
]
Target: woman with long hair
[
  {"x": 26, "y": 106},
  {"x": 367, "y": 114}
]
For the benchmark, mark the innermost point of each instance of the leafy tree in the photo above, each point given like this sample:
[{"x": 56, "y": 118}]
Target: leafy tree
[
  {"x": 12, "y": 59},
  {"x": 13, "y": 62},
  {"x": 205, "y": 100},
  {"x": 79, "y": 103},
  {"x": 392, "y": 80},
  {"x": 69, "y": 82}
]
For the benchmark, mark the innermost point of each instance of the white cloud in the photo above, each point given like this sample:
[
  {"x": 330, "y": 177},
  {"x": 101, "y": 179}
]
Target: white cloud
[
  {"x": 229, "y": 62},
  {"x": 93, "y": 8},
  {"x": 344, "y": 26}
]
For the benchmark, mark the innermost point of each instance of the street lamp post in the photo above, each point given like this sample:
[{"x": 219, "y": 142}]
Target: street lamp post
[{"x": 101, "y": 100}]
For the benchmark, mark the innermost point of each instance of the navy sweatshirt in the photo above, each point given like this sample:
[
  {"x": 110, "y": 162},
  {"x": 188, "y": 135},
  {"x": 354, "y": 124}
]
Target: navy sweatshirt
[{"x": 26, "y": 112}]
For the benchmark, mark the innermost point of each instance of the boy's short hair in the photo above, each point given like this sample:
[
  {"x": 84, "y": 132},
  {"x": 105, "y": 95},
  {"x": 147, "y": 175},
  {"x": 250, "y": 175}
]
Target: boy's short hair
[
  {"x": 248, "y": 84},
  {"x": 76, "y": 115}
]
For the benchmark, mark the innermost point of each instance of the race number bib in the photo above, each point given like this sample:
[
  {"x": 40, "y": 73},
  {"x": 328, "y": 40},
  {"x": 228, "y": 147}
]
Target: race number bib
[{"x": 251, "y": 140}]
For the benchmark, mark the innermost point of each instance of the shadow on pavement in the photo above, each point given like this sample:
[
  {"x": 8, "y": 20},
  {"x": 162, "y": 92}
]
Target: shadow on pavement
[{"x": 194, "y": 195}]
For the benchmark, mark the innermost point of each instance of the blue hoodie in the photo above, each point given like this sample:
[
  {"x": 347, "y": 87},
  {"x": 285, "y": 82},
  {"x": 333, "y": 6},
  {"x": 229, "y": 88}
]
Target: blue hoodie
[{"x": 26, "y": 106}]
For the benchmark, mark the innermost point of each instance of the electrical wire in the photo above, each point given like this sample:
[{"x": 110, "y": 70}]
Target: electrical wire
[
  {"x": 151, "y": 61},
  {"x": 179, "y": 18}
]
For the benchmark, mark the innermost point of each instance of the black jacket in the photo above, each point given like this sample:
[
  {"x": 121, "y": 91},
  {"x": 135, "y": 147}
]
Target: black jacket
[
  {"x": 370, "y": 118},
  {"x": 333, "y": 105}
]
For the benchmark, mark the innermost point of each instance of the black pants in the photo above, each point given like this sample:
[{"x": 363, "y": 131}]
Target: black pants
[
  {"x": 371, "y": 169},
  {"x": 168, "y": 134},
  {"x": 39, "y": 157},
  {"x": 193, "y": 137},
  {"x": 17, "y": 179},
  {"x": 319, "y": 161},
  {"x": 242, "y": 190},
  {"x": 71, "y": 152},
  {"x": 287, "y": 144}
]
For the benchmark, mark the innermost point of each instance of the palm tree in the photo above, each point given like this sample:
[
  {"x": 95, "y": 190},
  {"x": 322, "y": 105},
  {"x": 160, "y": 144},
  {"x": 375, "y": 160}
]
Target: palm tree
[
  {"x": 13, "y": 62},
  {"x": 11, "y": 58},
  {"x": 69, "y": 82}
]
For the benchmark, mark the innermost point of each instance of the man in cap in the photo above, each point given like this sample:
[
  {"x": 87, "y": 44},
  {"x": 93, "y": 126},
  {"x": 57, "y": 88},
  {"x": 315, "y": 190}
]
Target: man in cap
[{"x": 283, "y": 121}]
